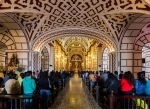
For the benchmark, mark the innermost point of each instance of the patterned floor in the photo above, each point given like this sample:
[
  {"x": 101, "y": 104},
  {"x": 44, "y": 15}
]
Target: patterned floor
[{"x": 75, "y": 96}]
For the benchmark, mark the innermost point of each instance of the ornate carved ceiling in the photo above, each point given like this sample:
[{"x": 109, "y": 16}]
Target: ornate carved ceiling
[
  {"x": 38, "y": 19},
  {"x": 70, "y": 44},
  {"x": 73, "y": 33},
  {"x": 70, "y": 40}
]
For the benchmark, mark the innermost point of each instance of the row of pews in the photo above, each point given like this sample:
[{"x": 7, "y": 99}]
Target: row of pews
[{"x": 117, "y": 102}]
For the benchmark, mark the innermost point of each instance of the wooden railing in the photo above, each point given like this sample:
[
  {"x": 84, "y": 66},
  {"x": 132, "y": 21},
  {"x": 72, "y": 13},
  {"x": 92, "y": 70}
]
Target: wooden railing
[
  {"x": 118, "y": 102},
  {"x": 129, "y": 102},
  {"x": 8, "y": 101},
  {"x": 19, "y": 102}
]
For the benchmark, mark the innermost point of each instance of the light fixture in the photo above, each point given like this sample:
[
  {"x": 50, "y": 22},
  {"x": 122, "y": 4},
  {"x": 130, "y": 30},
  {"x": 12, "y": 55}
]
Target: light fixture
[{"x": 42, "y": 57}]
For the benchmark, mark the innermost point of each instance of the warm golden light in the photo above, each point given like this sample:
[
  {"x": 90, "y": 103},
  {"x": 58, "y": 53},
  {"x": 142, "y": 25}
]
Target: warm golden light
[
  {"x": 76, "y": 76},
  {"x": 72, "y": 100},
  {"x": 42, "y": 57}
]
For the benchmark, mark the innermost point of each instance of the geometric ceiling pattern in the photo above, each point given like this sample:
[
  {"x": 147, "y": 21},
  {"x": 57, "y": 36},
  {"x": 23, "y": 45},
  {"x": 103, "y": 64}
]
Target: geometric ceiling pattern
[
  {"x": 119, "y": 21},
  {"x": 28, "y": 21},
  {"x": 41, "y": 41},
  {"x": 38, "y": 19}
]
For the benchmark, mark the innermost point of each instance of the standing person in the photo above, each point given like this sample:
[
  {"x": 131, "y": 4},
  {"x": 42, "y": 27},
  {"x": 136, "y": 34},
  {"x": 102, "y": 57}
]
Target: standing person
[
  {"x": 111, "y": 84},
  {"x": 127, "y": 83},
  {"x": 147, "y": 87},
  {"x": 140, "y": 84},
  {"x": 12, "y": 86},
  {"x": 29, "y": 86},
  {"x": 92, "y": 78},
  {"x": 103, "y": 78},
  {"x": 116, "y": 74},
  {"x": 98, "y": 77},
  {"x": 120, "y": 75},
  {"x": 7, "y": 76},
  {"x": 44, "y": 85},
  {"x": 36, "y": 74},
  {"x": 20, "y": 79}
]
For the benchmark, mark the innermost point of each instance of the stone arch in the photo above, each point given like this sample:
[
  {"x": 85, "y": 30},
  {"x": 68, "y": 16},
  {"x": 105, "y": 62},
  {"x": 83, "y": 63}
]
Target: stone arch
[
  {"x": 143, "y": 38},
  {"x": 13, "y": 29},
  {"x": 105, "y": 40},
  {"x": 12, "y": 34},
  {"x": 130, "y": 35},
  {"x": 130, "y": 55},
  {"x": 142, "y": 43},
  {"x": 74, "y": 52},
  {"x": 6, "y": 38},
  {"x": 76, "y": 63}
]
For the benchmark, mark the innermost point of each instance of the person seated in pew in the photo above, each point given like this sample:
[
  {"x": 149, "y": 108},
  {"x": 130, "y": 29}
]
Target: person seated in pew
[{"x": 140, "y": 84}]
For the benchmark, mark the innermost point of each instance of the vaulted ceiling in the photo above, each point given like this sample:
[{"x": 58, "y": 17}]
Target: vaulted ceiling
[{"x": 42, "y": 21}]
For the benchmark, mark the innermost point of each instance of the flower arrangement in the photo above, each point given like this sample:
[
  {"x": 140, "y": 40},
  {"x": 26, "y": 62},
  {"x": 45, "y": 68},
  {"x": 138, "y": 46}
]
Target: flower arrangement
[{"x": 20, "y": 68}]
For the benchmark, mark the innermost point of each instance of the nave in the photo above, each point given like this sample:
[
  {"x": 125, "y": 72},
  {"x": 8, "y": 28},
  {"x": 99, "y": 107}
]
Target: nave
[{"x": 75, "y": 96}]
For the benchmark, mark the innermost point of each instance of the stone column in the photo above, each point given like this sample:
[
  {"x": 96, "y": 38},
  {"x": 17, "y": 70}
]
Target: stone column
[
  {"x": 99, "y": 58},
  {"x": 51, "y": 59}
]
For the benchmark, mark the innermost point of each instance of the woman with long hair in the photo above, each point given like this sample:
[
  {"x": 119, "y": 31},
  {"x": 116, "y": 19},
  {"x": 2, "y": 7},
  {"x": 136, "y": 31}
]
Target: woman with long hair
[{"x": 127, "y": 83}]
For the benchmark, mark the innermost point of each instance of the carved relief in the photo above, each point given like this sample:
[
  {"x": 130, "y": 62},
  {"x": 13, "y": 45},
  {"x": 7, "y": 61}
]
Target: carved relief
[
  {"x": 29, "y": 21},
  {"x": 119, "y": 21},
  {"x": 82, "y": 5},
  {"x": 143, "y": 38},
  {"x": 47, "y": 38}
]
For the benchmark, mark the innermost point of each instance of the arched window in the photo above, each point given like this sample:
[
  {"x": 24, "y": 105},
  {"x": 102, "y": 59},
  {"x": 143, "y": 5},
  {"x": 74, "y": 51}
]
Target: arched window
[
  {"x": 44, "y": 59},
  {"x": 105, "y": 60}
]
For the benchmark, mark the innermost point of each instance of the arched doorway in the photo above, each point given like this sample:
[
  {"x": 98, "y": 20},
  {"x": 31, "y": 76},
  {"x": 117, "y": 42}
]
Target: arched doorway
[{"x": 76, "y": 63}]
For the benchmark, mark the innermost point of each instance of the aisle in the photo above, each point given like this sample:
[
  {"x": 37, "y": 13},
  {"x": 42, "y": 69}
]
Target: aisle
[{"x": 75, "y": 96}]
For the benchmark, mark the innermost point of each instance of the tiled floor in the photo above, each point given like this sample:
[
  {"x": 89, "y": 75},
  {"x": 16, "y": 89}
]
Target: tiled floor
[{"x": 75, "y": 96}]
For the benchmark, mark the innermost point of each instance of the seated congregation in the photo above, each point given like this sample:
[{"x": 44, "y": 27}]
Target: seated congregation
[
  {"x": 30, "y": 90},
  {"x": 125, "y": 89}
]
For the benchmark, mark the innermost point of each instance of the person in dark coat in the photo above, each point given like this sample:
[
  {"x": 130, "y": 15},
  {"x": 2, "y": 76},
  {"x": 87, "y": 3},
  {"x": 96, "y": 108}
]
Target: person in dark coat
[
  {"x": 120, "y": 75},
  {"x": 111, "y": 84},
  {"x": 44, "y": 85}
]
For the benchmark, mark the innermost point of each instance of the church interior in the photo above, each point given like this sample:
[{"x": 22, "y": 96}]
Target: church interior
[{"x": 75, "y": 35}]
